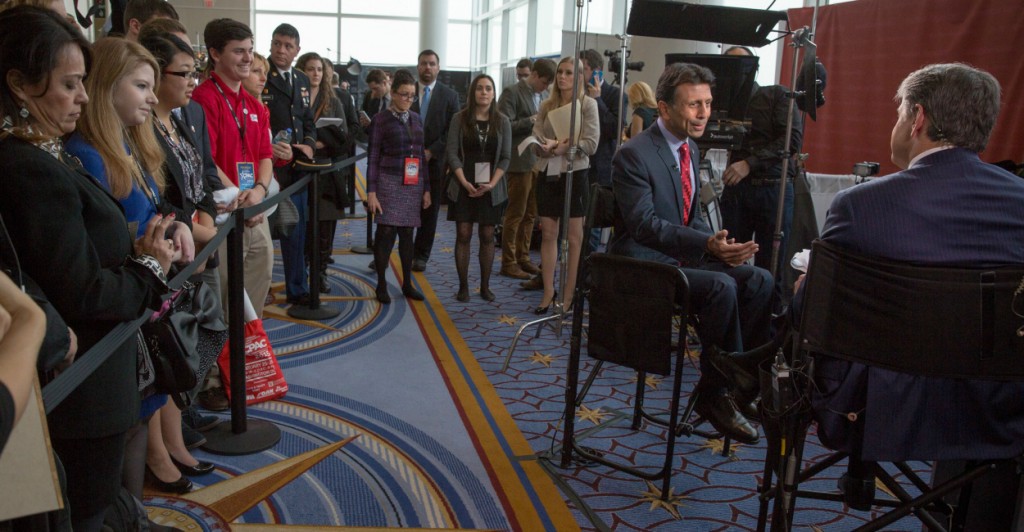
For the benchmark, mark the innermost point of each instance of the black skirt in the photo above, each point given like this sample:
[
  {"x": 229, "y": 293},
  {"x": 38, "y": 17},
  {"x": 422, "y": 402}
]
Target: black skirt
[{"x": 551, "y": 195}]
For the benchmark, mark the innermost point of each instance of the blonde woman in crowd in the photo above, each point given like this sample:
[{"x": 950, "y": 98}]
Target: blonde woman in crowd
[{"x": 551, "y": 185}]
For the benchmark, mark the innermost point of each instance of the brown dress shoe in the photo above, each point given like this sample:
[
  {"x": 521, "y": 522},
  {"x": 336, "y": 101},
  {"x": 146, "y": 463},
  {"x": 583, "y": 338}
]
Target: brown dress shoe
[
  {"x": 514, "y": 272},
  {"x": 529, "y": 267},
  {"x": 536, "y": 283}
]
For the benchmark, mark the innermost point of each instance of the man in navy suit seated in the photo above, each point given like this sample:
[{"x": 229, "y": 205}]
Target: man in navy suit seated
[
  {"x": 945, "y": 208},
  {"x": 657, "y": 189}
]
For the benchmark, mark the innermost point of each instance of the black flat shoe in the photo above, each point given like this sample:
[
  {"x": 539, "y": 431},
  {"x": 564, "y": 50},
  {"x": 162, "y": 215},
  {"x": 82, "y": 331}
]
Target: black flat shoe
[
  {"x": 486, "y": 294},
  {"x": 412, "y": 293},
  {"x": 180, "y": 486},
  {"x": 382, "y": 296},
  {"x": 462, "y": 295},
  {"x": 197, "y": 470}
]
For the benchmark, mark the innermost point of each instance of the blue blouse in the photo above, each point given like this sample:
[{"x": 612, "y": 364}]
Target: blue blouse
[{"x": 137, "y": 206}]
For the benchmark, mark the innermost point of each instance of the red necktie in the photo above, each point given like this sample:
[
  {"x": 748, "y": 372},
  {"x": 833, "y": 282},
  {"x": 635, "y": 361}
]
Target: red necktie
[{"x": 684, "y": 175}]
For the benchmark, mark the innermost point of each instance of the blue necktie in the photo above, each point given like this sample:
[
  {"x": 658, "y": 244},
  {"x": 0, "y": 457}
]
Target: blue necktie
[{"x": 426, "y": 101}]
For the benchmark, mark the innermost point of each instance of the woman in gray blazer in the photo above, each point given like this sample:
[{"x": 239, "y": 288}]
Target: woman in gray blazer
[{"x": 479, "y": 151}]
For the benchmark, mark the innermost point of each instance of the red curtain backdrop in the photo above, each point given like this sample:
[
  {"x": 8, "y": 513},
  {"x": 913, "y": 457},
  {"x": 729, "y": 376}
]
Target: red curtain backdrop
[{"x": 869, "y": 46}]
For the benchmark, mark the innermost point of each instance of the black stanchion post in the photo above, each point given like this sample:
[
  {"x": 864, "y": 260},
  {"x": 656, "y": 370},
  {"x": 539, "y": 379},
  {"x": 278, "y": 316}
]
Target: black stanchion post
[
  {"x": 368, "y": 249},
  {"x": 314, "y": 311},
  {"x": 243, "y": 436}
]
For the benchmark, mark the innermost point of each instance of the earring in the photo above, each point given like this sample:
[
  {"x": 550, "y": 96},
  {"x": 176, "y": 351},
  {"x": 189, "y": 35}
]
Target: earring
[{"x": 24, "y": 112}]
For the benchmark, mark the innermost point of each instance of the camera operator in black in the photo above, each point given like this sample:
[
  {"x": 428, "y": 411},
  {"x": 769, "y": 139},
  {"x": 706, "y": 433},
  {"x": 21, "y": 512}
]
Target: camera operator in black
[{"x": 751, "y": 196}]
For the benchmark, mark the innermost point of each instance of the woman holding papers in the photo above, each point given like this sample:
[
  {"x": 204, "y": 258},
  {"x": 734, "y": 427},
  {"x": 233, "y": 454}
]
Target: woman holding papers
[
  {"x": 552, "y": 132},
  {"x": 479, "y": 152},
  {"x": 332, "y": 143}
]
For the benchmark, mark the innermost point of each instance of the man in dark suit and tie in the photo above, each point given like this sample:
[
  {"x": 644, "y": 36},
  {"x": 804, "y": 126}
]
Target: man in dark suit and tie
[
  {"x": 436, "y": 104},
  {"x": 520, "y": 103},
  {"x": 287, "y": 97},
  {"x": 657, "y": 190}
]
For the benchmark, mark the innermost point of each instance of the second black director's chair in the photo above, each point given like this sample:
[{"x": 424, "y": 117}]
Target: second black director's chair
[{"x": 863, "y": 317}]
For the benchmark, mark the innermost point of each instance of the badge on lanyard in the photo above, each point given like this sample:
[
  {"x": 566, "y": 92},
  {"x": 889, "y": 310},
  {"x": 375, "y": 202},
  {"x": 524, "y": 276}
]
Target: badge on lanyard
[
  {"x": 246, "y": 176},
  {"x": 412, "y": 171},
  {"x": 482, "y": 173}
]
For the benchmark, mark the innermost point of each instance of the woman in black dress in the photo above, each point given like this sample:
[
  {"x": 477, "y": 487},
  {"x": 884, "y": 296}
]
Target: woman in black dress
[{"x": 479, "y": 151}]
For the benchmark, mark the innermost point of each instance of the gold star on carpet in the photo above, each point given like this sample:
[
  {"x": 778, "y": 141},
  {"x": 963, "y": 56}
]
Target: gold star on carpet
[
  {"x": 446, "y": 250},
  {"x": 595, "y": 416},
  {"x": 653, "y": 496},
  {"x": 346, "y": 235},
  {"x": 540, "y": 358},
  {"x": 651, "y": 381},
  {"x": 508, "y": 320},
  {"x": 881, "y": 486},
  {"x": 716, "y": 445}
]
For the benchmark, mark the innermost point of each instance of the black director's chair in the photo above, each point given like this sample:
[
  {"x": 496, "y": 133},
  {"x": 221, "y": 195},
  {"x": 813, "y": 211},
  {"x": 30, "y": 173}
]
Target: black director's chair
[
  {"x": 632, "y": 306},
  {"x": 942, "y": 322}
]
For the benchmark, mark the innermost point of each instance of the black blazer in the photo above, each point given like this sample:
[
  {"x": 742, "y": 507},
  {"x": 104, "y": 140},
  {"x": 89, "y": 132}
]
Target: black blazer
[
  {"x": 194, "y": 118},
  {"x": 290, "y": 107},
  {"x": 73, "y": 240},
  {"x": 608, "y": 115},
  {"x": 444, "y": 103}
]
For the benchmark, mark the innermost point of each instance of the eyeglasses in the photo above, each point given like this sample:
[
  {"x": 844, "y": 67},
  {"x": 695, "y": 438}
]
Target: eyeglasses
[
  {"x": 190, "y": 74},
  {"x": 410, "y": 96}
]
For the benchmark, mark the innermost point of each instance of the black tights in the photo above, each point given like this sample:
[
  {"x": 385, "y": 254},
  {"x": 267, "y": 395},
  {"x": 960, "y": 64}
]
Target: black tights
[
  {"x": 383, "y": 243},
  {"x": 464, "y": 234}
]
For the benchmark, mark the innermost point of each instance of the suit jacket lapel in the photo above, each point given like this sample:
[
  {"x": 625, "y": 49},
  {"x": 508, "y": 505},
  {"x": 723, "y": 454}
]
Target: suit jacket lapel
[
  {"x": 671, "y": 169},
  {"x": 277, "y": 81}
]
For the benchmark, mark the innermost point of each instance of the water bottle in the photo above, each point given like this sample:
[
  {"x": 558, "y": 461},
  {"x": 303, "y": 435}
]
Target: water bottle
[{"x": 285, "y": 135}]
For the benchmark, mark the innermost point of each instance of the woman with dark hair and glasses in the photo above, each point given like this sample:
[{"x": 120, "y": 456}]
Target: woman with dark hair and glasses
[
  {"x": 73, "y": 240},
  {"x": 479, "y": 151},
  {"x": 397, "y": 185}
]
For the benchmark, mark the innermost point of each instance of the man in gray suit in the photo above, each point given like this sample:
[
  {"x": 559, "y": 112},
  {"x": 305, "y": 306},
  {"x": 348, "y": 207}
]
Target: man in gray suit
[
  {"x": 520, "y": 103},
  {"x": 657, "y": 188}
]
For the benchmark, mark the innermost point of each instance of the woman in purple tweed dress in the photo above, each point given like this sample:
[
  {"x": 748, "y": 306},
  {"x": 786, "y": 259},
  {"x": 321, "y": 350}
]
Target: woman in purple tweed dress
[{"x": 396, "y": 182}]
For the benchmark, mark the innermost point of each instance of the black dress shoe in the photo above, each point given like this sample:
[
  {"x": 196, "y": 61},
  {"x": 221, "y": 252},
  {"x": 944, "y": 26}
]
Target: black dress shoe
[
  {"x": 412, "y": 293},
  {"x": 719, "y": 410},
  {"x": 180, "y": 486},
  {"x": 486, "y": 294},
  {"x": 372, "y": 265},
  {"x": 383, "y": 296},
  {"x": 462, "y": 295},
  {"x": 197, "y": 470},
  {"x": 419, "y": 265},
  {"x": 738, "y": 371},
  {"x": 858, "y": 493}
]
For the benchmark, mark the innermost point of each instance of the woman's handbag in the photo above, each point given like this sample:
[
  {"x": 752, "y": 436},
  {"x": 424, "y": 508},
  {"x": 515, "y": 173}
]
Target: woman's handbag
[
  {"x": 283, "y": 220},
  {"x": 172, "y": 338}
]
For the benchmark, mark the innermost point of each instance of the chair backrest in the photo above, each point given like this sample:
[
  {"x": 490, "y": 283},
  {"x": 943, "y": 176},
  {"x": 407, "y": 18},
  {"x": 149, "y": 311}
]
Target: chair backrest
[
  {"x": 930, "y": 321},
  {"x": 632, "y": 305}
]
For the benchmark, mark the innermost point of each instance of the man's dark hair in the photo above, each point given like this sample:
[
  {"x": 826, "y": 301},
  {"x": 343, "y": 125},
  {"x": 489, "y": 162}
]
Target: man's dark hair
[
  {"x": 593, "y": 59},
  {"x": 144, "y": 10},
  {"x": 677, "y": 74},
  {"x": 219, "y": 32},
  {"x": 524, "y": 63},
  {"x": 544, "y": 69},
  {"x": 161, "y": 25},
  {"x": 428, "y": 51},
  {"x": 376, "y": 76},
  {"x": 287, "y": 30},
  {"x": 744, "y": 48},
  {"x": 960, "y": 101}
]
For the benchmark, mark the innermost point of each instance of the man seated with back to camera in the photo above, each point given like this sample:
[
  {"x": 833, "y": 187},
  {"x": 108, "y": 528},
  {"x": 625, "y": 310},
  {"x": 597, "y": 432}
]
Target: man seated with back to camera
[
  {"x": 662, "y": 221},
  {"x": 945, "y": 208}
]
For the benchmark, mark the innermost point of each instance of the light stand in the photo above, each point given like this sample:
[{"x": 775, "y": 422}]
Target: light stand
[
  {"x": 801, "y": 39},
  {"x": 623, "y": 49},
  {"x": 557, "y": 319}
]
